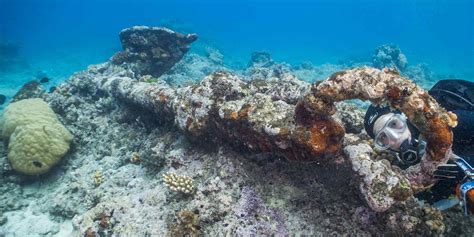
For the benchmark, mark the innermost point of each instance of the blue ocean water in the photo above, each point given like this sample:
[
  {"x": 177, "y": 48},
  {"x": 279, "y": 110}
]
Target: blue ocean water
[{"x": 59, "y": 37}]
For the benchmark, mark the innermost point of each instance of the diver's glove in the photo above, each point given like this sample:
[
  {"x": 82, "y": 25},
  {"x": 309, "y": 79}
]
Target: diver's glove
[
  {"x": 449, "y": 171},
  {"x": 464, "y": 176}
]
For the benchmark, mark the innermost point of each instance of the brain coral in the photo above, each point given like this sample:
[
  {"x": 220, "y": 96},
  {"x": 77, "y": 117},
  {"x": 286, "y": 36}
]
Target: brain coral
[{"x": 37, "y": 139}]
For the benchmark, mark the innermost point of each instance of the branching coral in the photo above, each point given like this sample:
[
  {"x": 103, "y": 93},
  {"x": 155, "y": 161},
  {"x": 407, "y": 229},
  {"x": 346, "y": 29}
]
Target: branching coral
[
  {"x": 98, "y": 178},
  {"x": 135, "y": 159},
  {"x": 179, "y": 183}
]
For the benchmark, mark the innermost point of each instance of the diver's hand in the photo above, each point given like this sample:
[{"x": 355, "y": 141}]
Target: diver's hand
[{"x": 449, "y": 171}]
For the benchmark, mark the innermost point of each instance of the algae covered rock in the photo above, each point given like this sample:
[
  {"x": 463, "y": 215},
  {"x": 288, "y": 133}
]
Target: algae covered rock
[
  {"x": 36, "y": 138},
  {"x": 151, "y": 50},
  {"x": 31, "y": 89},
  {"x": 389, "y": 55}
]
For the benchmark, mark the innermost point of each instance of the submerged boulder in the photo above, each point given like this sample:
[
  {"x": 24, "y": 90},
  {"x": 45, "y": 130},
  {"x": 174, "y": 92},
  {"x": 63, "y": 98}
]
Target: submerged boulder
[{"x": 151, "y": 50}]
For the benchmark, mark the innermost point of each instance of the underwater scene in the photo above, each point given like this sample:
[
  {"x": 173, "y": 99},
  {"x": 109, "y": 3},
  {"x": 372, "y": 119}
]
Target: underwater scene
[{"x": 236, "y": 118}]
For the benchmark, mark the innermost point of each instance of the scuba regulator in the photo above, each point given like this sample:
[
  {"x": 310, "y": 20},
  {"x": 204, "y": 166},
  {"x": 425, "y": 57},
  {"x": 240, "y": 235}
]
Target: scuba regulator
[{"x": 409, "y": 152}]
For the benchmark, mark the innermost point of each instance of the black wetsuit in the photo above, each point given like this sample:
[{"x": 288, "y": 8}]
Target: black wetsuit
[
  {"x": 463, "y": 141},
  {"x": 456, "y": 96}
]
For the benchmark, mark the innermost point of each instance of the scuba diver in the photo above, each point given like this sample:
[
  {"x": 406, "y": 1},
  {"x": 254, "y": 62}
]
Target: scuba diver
[{"x": 392, "y": 132}]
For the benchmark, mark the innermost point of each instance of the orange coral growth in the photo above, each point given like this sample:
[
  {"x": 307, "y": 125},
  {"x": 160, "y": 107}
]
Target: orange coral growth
[
  {"x": 439, "y": 139},
  {"x": 284, "y": 132},
  {"x": 244, "y": 112},
  {"x": 326, "y": 136},
  {"x": 322, "y": 136},
  {"x": 234, "y": 115},
  {"x": 394, "y": 93},
  {"x": 241, "y": 114},
  {"x": 163, "y": 98}
]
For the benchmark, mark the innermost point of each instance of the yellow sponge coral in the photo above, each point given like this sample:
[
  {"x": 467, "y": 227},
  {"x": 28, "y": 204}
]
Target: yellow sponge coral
[{"x": 37, "y": 139}]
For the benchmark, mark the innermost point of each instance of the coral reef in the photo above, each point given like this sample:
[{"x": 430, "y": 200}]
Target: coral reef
[
  {"x": 151, "y": 50},
  {"x": 275, "y": 124},
  {"x": 214, "y": 55},
  {"x": 229, "y": 135},
  {"x": 193, "y": 68},
  {"x": 304, "y": 131},
  {"x": 261, "y": 67},
  {"x": 310, "y": 73},
  {"x": 421, "y": 74},
  {"x": 29, "y": 90},
  {"x": 389, "y": 55},
  {"x": 261, "y": 59}
]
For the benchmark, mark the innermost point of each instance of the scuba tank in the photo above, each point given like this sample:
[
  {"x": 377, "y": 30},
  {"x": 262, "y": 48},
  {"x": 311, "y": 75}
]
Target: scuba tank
[{"x": 454, "y": 94}]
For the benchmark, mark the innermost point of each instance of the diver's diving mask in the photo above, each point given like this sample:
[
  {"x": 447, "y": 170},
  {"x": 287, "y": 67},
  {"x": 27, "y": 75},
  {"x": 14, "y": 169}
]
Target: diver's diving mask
[{"x": 392, "y": 132}]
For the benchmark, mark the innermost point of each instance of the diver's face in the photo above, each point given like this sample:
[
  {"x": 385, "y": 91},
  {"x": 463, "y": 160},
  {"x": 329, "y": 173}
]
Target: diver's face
[{"x": 390, "y": 131}]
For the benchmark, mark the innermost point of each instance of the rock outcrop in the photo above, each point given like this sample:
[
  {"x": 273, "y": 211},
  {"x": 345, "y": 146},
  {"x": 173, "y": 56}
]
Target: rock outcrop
[
  {"x": 151, "y": 50},
  {"x": 389, "y": 55}
]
